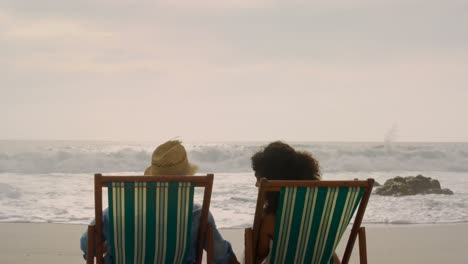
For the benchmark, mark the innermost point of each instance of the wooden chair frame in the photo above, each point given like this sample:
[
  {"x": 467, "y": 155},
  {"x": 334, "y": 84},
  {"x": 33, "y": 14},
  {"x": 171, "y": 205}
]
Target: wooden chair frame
[
  {"x": 251, "y": 235},
  {"x": 100, "y": 181}
]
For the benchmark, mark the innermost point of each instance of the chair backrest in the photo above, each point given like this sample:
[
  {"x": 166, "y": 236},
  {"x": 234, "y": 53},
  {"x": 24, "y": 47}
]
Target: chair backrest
[
  {"x": 150, "y": 217},
  {"x": 312, "y": 217}
]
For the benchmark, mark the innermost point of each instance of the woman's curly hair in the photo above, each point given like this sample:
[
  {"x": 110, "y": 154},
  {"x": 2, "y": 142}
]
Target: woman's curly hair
[{"x": 279, "y": 161}]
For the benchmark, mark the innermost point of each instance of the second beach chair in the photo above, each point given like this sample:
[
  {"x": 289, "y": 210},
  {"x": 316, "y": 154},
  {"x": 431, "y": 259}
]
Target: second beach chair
[{"x": 311, "y": 219}]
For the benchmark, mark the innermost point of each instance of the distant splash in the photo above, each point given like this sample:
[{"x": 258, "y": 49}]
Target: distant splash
[
  {"x": 72, "y": 157},
  {"x": 390, "y": 138}
]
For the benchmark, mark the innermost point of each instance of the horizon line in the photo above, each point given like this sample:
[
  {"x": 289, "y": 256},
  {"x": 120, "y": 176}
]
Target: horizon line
[{"x": 236, "y": 141}]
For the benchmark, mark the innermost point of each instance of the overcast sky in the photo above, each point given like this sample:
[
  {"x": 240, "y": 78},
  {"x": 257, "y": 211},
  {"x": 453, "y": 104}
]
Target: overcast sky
[{"x": 236, "y": 70}]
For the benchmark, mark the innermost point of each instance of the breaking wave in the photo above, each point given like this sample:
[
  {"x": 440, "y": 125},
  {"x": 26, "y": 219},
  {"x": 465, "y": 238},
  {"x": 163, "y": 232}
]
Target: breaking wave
[{"x": 75, "y": 157}]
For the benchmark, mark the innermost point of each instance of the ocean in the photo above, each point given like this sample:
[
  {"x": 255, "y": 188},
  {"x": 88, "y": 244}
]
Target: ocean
[{"x": 52, "y": 181}]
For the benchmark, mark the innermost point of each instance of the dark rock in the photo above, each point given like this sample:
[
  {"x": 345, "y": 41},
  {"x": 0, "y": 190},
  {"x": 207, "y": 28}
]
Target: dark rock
[
  {"x": 376, "y": 184},
  {"x": 399, "y": 179},
  {"x": 442, "y": 191},
  {"x": 435, "y": 184},
  {"x": 402, "y": 186}
]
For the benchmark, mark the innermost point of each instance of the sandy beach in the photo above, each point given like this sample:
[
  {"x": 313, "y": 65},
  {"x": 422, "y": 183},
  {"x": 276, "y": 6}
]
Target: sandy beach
[{"x": 59, "y": 243}]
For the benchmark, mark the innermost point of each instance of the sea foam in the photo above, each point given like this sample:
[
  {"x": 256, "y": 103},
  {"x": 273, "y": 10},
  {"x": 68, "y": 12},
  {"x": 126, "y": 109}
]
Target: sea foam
[
  {"x": 53, "y": 181},
  {"x": 79, "y": 157}
]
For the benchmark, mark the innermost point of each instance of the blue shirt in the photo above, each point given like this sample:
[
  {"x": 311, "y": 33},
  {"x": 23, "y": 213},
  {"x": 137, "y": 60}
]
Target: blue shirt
[{"x": 222, "y": 248}]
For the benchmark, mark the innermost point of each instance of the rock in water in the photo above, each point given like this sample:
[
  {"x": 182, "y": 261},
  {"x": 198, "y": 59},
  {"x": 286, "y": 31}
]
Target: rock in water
[{"x": 411, "y": 185}]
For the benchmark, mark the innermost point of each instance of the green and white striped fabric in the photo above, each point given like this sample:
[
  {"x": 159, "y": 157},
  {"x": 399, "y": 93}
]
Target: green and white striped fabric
[
  {"x": 150, "y": 222},
  {"x": 311, "y": 221}
]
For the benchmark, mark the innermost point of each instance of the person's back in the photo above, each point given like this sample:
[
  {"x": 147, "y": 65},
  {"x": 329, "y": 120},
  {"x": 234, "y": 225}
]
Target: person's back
[
  {"x": 279, "y": 161},
  {"x": 222, "y": 249},
  {"x": 170, "y": 158}
]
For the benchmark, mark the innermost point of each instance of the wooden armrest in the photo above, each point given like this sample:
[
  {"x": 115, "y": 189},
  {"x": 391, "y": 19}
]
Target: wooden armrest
[
  {"x": 362, "y": 245},
  {"x": 90, "y": 246},
  {"x": 248, "y": 244}
]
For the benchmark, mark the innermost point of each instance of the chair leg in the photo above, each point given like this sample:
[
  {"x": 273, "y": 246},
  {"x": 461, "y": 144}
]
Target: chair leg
[
  {"x": 248, "y": 244},
  {"x": 362, "y": 245},
  {"x": 209, "y": 244},
  {"x": 90, "y": 246}
]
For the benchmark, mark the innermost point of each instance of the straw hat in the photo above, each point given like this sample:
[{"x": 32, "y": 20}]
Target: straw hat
[{"x": 170, "y": 158}]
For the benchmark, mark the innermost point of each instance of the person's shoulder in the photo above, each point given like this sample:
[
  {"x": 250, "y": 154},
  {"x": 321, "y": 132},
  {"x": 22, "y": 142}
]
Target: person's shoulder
[
  {"x": 196, "y": 209},
  {"x": 196, "y": 212}
]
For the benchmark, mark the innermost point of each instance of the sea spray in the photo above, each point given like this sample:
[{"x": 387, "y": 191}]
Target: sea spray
[{"x": 73, "y": 157}]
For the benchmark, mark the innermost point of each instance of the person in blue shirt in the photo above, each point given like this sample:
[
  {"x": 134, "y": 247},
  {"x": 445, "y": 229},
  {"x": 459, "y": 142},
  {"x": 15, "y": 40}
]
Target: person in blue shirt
[{"x": 170, "y": 158}]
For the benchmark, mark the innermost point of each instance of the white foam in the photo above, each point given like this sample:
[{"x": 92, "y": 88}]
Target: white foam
[
  {"x": 68, "y": 198},
  {"x": 50, "y": 181},
  {"x": 81, "y": 157}
]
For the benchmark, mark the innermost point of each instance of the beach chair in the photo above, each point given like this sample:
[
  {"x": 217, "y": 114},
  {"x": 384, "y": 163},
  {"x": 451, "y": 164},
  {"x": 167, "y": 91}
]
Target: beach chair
[
  {"x": 311, "y": 219},
  {"x": 150, "y": 218}
]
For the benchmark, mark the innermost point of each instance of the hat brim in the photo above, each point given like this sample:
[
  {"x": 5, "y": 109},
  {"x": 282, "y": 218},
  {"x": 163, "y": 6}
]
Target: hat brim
[{"x": 190, "y": 169}]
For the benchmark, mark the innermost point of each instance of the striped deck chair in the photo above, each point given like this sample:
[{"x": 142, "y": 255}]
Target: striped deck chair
[
  {"x": 150, "y": 218},
  {"x": 311, "y": 219}
]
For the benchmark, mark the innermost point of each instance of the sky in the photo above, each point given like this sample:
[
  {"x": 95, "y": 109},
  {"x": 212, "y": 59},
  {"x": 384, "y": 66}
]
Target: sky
[{"x": 246, "y": 70}]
